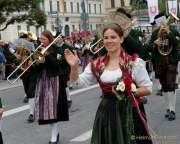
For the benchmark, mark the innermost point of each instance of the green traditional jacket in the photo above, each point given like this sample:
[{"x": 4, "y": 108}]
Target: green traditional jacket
[
  {"x": 132, "y": 44},
  {"x": 173, "y": 57}
]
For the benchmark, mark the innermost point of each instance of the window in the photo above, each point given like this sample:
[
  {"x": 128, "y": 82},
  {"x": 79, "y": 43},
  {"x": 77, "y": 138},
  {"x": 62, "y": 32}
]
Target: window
[
  {"x": 66, "y": 19},
  {"x": 100, "y": 9},
  {"x": 78, "y": 11},
  {"x": 89, "y": 8},
  {"x": 73, "y": 27},
  {"x": 65, "y": 7},
  {"x": 95, "y": 8},
  {"x": 122, "y": 3},
  {"x": 37, "y": 31},
  {"x": 50, "y": 4},
  {"x": 91, "y": 27},
  {"x": 18, "y": 28},
  {"x": 79, "y": 27},
  {"x": 52, "y": 27},
  {"x": 45, "y": 27},
  {"x": 71, "y": 3},
  {"x": 28, "y": 28},
  {"x": 41, "y": 5},
  {"x": 58, "y": 6},
  {"x": 112, "y": 4}
]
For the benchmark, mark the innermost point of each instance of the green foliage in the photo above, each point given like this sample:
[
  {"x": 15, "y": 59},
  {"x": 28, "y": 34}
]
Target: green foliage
[
  {"x": 162, "y": 5},
  {"x": 17, "y": 11},
  {"x": 138, "y": 4}
]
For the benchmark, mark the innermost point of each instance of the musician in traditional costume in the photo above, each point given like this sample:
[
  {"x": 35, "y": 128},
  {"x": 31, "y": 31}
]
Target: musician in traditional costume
[
  {"x": 123, "y": 79},
  {"x": 165, "y": 56},
  {"x": 62, "y": 44},
  {"x": 50, "y": 97},
  {"x": 20, "y": 48},
  {"x": 131, "y": 42}
]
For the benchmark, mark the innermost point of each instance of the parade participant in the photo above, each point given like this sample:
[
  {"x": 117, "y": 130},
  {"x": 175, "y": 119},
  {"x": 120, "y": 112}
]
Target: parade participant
[
  {"x": 131, "y": 42},
  {"x": 154, "y": 28},
  {"x": 120, "y": 115},
  {"x": 17, "y": 48},
  {"x": 50, "y": 97},
  {"x": 166, "y": 56},
  {"x": 62, "y": 44},
  {"x": 86, "y": 55},
  {"x": 30, "y": 80}
]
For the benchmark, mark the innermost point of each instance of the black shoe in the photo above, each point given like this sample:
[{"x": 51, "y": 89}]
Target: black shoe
[
  {"x": 167, "y": 113},
  {"x": 53, "y": 142},
  {"x": 176, "y": 86},
  {"x": 172, "y": 116},
  {"x": 69, "y": 103},
  {"x": 25, "y": 100},
  {"x": 159, "y": 93},
  {"x": 30, "y": 118},
  {"x": 57, "y": 140}
]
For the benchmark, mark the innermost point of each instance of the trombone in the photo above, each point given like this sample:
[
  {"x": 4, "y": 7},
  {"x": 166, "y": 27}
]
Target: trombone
[
  {"x": 97, "y": 46},
  {"x": 34, "y": 53}
]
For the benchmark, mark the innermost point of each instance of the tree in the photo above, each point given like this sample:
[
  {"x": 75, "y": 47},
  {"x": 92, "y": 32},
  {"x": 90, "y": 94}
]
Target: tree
[
  {"x": 18, "y": 11},
  {"x": 162, "y": 6},
  {"x": 138, "y": 4}
]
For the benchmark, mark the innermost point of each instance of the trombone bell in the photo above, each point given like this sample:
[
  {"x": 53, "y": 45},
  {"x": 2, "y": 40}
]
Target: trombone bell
[{"x": 97, "y": 46}]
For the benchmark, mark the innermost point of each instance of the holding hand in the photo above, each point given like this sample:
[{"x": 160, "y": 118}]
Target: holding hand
[
  {"x": 1, "y": 112},
  {"x": 71, "y": 58}
]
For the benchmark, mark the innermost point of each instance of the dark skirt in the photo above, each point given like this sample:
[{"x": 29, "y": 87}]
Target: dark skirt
[
  {"x": 110, "y": 125},
  {"x": 167, "y": 76},
  {"x": 60, "y": 106}
]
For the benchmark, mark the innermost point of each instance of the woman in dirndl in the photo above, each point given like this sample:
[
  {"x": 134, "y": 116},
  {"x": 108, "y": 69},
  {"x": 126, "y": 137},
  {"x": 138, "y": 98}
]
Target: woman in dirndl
[
  {"x": 50, "y": 96},
  {"x": 120, "y": 118}
]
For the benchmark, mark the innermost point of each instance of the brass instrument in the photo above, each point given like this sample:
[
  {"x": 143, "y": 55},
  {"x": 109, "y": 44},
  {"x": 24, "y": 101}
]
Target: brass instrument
[
  {"x": 37, "y": 54},
  {"x": 22, "y": 52},
  {"x": 164, "y": 48},
  {"x": 123, "y": 21},
  {"x": 97, "y": 46}
]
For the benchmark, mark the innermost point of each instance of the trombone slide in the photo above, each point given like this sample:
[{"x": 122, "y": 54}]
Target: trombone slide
[{"x": 41, "y": 53}]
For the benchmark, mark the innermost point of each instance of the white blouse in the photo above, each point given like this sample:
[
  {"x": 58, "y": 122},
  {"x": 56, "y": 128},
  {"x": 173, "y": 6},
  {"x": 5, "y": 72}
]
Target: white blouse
[{"x": 139, "y": 74}]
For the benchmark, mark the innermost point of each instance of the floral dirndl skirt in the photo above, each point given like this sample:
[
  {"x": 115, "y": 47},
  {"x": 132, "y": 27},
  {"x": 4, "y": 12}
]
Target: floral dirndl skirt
[{"x": 47, "y": 91}]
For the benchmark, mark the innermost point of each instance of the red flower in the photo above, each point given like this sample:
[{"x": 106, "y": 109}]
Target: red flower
[
  {"x": 128, "y": 81},
  {"x": 134, "y": 57}
]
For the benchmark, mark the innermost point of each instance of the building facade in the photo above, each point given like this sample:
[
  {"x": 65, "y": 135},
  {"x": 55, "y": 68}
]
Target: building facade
[
  {"x": 71, "y": 19},
  {"x": 112, "y": 5}
]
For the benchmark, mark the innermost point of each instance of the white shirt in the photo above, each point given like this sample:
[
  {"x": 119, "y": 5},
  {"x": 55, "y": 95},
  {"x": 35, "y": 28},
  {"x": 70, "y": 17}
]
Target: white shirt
[{"x": 139, "y": 74}]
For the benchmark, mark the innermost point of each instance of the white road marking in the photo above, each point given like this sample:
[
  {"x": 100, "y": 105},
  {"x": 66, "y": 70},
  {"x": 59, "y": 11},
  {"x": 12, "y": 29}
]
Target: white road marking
[
  {"x": 16, "y": 110},
  {"x": 26, "y": 107},
  {"x": 83, "y": 137}
]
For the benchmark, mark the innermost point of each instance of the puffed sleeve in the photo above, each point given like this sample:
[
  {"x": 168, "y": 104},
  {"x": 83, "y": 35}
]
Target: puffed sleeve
[
  {"x": 86, "y": 78},
  {"x": 140, "y": 75}
]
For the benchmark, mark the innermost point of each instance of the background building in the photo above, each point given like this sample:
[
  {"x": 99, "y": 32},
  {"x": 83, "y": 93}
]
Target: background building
[{"x": 67, "y": 20}]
